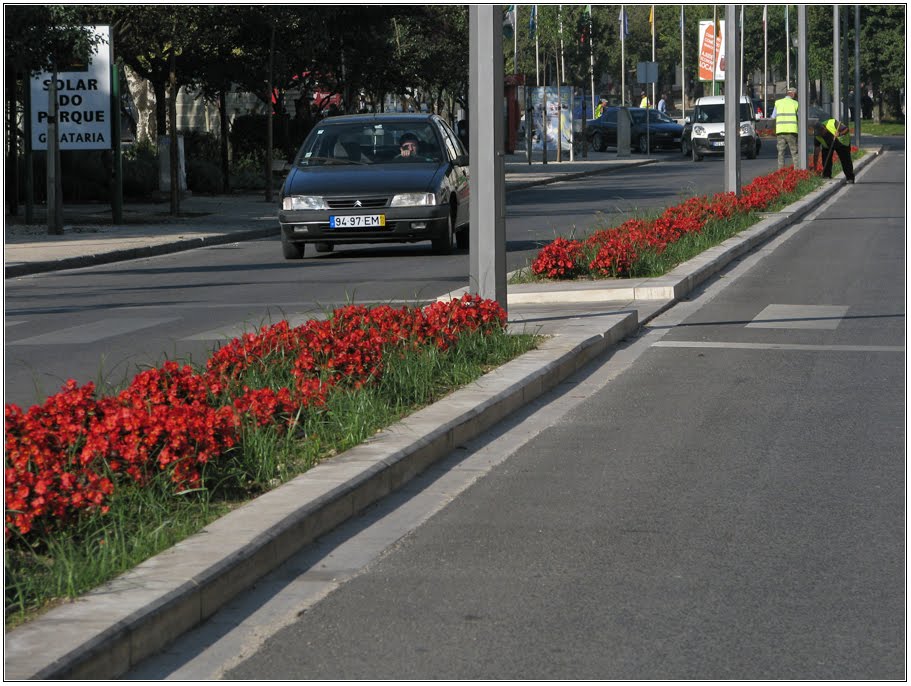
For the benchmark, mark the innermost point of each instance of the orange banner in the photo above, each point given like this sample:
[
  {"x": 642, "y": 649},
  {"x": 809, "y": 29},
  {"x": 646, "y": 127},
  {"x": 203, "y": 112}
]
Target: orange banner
[{"x": 711, "y": 51}]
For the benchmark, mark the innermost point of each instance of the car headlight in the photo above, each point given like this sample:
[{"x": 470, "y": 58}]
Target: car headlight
[
  {"x": 413, "y": 199},
  {"x": 746, "y": 129},
  {"x": 698, "y": 130},
  {"x": 304, "y": 202}
]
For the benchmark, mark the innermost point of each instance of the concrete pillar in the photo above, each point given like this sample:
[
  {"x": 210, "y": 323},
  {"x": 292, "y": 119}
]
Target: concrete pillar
[{"x": 487, "y": 237}]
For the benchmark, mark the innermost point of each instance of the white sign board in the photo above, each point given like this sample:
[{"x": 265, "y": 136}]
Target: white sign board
[{"x": 83, "y": 102}]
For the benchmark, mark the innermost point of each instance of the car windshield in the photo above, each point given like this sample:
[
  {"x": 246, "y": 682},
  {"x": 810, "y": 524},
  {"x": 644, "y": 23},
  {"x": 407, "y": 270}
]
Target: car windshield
[
  {"x": 714, "y": 114},
  {"x": 654, "y": 116},
  {"x": 369, "y": 143}
]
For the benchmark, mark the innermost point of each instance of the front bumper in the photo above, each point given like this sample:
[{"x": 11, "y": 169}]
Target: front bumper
[
  {"x": 715, "y": 146},
  {"x": 403, "y": 224}
]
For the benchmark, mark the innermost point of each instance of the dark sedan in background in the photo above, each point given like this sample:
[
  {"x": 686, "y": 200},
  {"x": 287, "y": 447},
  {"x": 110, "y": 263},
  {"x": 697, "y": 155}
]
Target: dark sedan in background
[
  {"x": 649, "y": 129},
  {"x": 383, "y": 178}
]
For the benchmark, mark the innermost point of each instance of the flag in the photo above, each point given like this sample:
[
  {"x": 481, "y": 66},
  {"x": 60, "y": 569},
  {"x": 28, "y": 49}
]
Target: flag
[
  {"x": 765, "y": 16},
  {"x": 651, "y": 16},
  {"x": 586, "y": 23},
  {"x": 624, "y": 22},
  {"x": 509, "y": 21},
  {"x": 531, "y": 21}
]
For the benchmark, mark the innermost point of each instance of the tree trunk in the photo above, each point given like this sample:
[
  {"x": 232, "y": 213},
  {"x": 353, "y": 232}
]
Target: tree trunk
[
  {"x": 161, "y": 106},
  {"x": 144, "y": 100},
  {"x": 223, "y": 126},
  {"x": 269, "y": 112},
  {"x": 172, "y": 133},
  {"x": 12, "y": 169}
]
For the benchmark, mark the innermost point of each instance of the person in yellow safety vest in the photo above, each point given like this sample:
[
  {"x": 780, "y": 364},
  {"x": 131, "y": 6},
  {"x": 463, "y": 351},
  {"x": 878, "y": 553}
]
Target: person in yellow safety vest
[
  {"x": 830, "y": 137},
  {"x": 785, "y": 116},
  {"x": 644, "y": 101},
  {"x": 599, "y": 108}
]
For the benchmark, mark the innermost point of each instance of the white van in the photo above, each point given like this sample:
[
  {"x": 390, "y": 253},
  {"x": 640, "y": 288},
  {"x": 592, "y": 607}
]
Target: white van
[{"x": 703, "y": 131}]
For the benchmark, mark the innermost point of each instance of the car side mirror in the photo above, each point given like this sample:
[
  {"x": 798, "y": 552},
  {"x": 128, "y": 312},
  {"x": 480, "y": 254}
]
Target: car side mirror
[{"x": 687, "y": 121}]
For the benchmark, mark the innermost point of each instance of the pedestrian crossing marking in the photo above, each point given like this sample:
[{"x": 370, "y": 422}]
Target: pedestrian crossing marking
[
  {"x": 799, "y": 317},
  {"x": 93, "y": 332}
]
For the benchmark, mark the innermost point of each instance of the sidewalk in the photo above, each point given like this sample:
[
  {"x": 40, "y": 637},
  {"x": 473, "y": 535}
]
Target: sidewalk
[
  {"x": 148, "y": 229},
  {"x": 108, "y": 631}
]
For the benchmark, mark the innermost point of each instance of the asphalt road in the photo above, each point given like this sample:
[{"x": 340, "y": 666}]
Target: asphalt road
[
  {"x": 721, "y": 498},
  {"x": 103, "y": 323}
]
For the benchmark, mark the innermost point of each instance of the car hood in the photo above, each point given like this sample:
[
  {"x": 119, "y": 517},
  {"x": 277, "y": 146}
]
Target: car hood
[
  {"x": 354, "y": 179},
  {"x": 663, "y": 126}
]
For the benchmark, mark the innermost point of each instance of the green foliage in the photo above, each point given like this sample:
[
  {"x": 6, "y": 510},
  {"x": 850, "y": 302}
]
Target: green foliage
[{"x": 147, "y": 519}]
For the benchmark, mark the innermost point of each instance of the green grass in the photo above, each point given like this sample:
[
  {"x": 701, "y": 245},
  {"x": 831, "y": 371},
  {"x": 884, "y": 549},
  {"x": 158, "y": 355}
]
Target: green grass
[
  {"x": 144, "y": 521},
  {"x": 883, "y": 128}
]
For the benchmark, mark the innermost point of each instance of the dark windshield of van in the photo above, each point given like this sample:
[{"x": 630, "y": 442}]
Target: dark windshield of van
[{"x": 714, "y": 114}]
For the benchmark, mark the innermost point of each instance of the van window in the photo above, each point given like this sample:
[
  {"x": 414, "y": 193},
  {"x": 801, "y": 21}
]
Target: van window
[{"x": 714, "y": 114}]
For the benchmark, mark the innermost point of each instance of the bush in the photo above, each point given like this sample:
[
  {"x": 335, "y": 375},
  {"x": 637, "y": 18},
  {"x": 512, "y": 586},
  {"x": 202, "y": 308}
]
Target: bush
[
  {"x": 140, "y": 170},
  {"x": 248, "y": 135},
  {"x": 204, "y": 176}
]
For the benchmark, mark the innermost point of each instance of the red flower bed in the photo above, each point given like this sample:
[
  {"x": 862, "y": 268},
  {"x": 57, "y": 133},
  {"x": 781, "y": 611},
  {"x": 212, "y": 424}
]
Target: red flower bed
[
  {"x": 613, "y": 252},
  {"x": 70, "y": 453}
]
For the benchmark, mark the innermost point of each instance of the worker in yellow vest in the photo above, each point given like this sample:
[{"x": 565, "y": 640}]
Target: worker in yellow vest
[
  {"x": 832, "y": 137},
  {"x": 644, "y": 102},
  {"x": 785, "y": 116},
  {"x": 599, "y": 108}
]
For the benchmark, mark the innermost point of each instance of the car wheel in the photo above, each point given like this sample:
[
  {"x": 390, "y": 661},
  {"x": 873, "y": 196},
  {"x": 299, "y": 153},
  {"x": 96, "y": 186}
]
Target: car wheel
[
  {"x": 751, "y": 152},
  {"x": 462, "y": 238},
  {"x": 325, "y": 247},
  {"x": 443, "y": 244},
  {"x": 696, "y": 156},
  {"x": 292, "y": 251},
  {"x": 684, "y": 146},
  {"x": 643, "y": 143},
  {"x": 598, "y": 142}
]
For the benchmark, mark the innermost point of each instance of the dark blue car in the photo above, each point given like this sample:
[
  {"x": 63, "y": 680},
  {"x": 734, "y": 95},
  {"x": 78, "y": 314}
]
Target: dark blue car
[
  {"x": 376, "y": 178},
  {"x": 649, "y": 130}
]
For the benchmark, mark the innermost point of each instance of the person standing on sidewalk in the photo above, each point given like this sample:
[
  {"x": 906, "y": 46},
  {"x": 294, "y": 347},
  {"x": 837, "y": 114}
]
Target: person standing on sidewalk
[
  {"x": 832, "y": 137},
  {"x": 785, "y": 116},
  {"x": 644, "y": 103}
]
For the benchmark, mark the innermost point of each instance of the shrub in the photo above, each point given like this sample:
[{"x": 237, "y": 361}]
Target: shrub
[{"x": 204, "y": 176}]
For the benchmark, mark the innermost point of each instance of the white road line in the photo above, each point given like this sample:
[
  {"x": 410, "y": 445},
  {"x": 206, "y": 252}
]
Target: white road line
[
  {"x": 781, "y": 346},
  {"x": 90, "y": 333}
]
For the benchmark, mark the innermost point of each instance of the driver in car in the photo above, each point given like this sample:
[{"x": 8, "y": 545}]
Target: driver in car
[{"x": 408, "y": 146}]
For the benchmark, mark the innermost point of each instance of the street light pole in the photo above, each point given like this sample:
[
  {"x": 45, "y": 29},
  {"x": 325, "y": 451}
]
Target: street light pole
[
  {"x": 803, "y": 87},
  {"x": 487, "y": 238}
]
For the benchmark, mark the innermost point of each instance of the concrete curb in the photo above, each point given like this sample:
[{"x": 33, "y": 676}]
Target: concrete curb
[
  {"x": 520, "y": 185},
  {"x": 106, "y": 632},
  {"x": 28, "y": 268}
]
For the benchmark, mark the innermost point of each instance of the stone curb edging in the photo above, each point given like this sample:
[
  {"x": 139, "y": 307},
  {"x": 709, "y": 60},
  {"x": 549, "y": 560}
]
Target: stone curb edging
[
  {"x": 106, "y": 632},
  {"x": 521, "y": 185},
  {"x": 28, "y": 268}
]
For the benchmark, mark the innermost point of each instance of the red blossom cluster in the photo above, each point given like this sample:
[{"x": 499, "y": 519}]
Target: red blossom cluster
[
  {"x": 68, "y": 454},
  {"x": 613, "y": 252}
]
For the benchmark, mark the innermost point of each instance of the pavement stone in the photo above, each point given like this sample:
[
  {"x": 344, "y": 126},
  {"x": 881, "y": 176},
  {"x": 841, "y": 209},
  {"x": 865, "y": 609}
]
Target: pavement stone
[{"x": 111, "y": 629}]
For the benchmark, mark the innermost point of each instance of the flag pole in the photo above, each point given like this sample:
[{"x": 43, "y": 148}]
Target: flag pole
[
  {"x": 787, "y": 49},
  {"x": 714, "y": 45},
  {"x": 682, "y": 69},
  {"x": 537, "y": 53},
  {"x": 622, "y": 56},
  {"x": 654, "y": 84},
  {"x": 765, "y": 61},
  {"x": 591, "y": 56}
]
